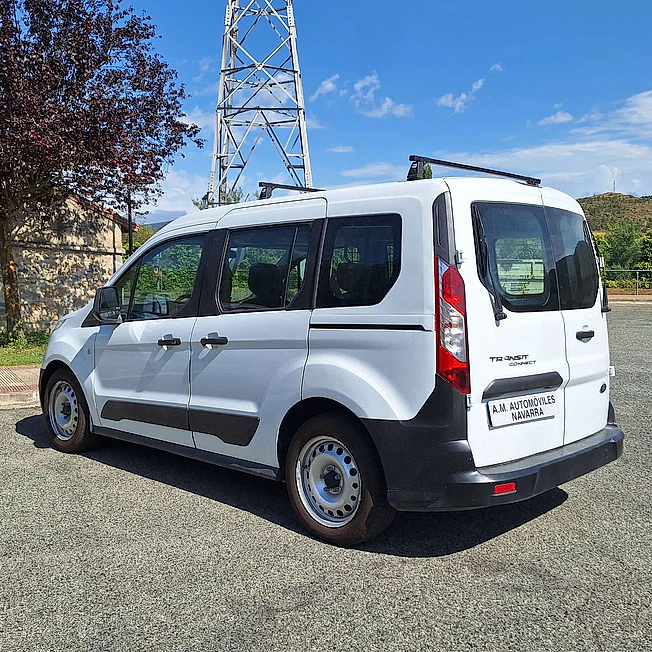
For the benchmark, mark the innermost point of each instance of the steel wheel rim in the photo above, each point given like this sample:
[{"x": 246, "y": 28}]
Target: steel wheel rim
[
  {"x": 328, "y": 481},
  {"x": 63, "y": 410}
]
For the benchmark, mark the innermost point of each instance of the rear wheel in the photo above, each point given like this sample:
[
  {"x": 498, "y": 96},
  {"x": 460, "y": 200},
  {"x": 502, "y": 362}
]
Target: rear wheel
[
  {"x": 66, "y": 414},
  {"x": 336, "y": 483}
]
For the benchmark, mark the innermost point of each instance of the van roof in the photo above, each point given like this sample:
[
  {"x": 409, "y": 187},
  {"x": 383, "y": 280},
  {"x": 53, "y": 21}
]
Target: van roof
[{"x": 367, "y": 191}]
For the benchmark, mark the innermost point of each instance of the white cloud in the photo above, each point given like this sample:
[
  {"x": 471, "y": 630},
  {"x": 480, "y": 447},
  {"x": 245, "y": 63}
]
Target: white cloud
[
  {"x": 497, "y": 67},
  {"x": 377, "y": 171},
  {"x": 327, "y": 86},
  {"x": 179, "y": 189},
  {"x": 634, "y": 119},
  {"x": 459, "y": 102},
  {"x": 313, "y": 123},
  {"x": 209, "y": 89},
  {"x": 341, "y": 149},
  {"x": 579, "y": 168},
  {"x": 558, "y": 118},
  {"x": 203, "y": 119},
  {"x": 206, "y": 63},
  {"x": 364, "y": 99},
  {"x": 558, "y": 105}
]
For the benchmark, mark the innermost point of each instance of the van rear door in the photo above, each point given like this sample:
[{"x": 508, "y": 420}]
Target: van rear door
[
  {"x": 585, "y": 325},
  {"x": 518, "y": 365}
]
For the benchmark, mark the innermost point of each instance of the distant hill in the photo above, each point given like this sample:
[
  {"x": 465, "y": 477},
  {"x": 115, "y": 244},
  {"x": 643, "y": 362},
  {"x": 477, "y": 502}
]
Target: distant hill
[
  {"x": 157, "y": 226},
  {"x": 614, "y": 207}
]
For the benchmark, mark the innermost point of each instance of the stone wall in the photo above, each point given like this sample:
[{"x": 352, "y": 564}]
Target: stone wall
[{"x": 62, "y": 259}]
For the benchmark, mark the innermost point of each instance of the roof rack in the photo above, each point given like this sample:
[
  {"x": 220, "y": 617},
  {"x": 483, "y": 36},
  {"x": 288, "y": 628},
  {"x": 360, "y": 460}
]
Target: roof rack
[
  {"x": 418, "y": 162},
  {"x": 268, "y": 188}
]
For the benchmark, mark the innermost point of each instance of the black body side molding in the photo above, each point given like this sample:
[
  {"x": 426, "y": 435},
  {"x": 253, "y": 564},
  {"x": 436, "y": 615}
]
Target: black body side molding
[{"x": 233, "y": 429}]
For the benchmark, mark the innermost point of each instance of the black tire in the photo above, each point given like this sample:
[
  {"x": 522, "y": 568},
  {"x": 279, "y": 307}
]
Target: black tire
[
  {"x": 373, "y": 513},
  {"x": 80, "y": 438}
]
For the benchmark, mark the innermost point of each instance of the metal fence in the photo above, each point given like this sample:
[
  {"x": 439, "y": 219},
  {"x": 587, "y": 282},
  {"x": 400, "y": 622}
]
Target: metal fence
[{"x": 631, "y": 281}]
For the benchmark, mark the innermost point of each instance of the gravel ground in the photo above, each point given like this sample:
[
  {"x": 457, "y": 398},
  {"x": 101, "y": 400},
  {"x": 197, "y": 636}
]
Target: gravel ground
[{"x": 133, "y": 549}]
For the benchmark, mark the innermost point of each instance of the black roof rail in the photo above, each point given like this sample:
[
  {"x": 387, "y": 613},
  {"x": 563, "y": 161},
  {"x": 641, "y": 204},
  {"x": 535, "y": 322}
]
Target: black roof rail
[
  {"x": 268, "y": 188},
  {"x": 418, "y": 162}
]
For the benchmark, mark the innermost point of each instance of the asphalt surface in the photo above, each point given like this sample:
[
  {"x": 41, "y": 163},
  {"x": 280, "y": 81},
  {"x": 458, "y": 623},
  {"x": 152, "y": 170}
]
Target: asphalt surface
[{"x": 128, "y": 548}]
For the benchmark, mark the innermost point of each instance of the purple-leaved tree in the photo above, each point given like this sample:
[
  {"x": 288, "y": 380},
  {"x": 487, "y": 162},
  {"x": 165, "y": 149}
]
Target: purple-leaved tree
[{"x": 86, "y": 107}]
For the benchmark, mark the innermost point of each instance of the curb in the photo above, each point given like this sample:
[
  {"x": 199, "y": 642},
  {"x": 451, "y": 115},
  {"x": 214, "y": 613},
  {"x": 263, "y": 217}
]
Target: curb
[
  {"x": 19, "y": 400},
  {"x": 18, "y": 387}
]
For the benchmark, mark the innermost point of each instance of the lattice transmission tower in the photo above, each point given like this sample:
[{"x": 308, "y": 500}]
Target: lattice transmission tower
[{"x": 260, "y": 95}]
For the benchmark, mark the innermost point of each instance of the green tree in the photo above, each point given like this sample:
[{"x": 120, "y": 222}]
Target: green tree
[
  {"x": 233, "y": 196},
  {"x": 646, "y": 251},
  {"x": 140, "y": 236},
  {"x": 623, "y": 241},
  {"x": 603, "y": 247},
  {"x": 427, "y": 172}
]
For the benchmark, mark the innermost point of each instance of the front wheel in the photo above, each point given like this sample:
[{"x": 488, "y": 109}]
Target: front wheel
[
  {"x": 66, "y": 414},
  {"x": 336, "y": 483}
]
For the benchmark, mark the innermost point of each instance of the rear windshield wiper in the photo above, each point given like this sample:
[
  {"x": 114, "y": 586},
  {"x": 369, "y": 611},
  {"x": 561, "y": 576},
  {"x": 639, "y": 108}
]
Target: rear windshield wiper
[{"x": 482, "y": 254}]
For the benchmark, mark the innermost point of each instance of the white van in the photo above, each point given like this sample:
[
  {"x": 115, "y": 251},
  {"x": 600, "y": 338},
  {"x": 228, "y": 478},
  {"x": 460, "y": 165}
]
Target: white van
[{"x": 428, "y": 345}]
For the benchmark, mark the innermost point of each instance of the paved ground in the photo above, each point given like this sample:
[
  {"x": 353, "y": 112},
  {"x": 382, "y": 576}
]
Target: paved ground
[{"x": 133, "y": 549}]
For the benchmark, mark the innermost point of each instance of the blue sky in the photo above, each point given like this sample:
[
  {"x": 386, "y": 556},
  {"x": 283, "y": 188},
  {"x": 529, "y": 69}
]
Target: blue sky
[{"x": 561, "y": 90}]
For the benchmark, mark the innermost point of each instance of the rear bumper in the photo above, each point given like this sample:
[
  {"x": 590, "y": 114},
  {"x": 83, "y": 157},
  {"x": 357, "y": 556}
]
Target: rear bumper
[
  {"x": 429, "y": 465},
  {"x": 533, "y": 475}
]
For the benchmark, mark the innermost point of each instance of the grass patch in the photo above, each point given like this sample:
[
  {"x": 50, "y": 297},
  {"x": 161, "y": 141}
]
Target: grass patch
[{"x": 29, "y": 353}]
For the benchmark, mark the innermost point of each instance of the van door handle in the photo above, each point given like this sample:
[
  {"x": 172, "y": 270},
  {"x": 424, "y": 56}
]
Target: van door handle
[
  {"x": 214, "y": 340},
  {"x": 169, "y": 341},
  {"x": 584, "y": 335}
]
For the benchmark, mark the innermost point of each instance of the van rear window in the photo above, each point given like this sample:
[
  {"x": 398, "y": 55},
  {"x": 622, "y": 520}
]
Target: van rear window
[{"x": 539, "y": 258}]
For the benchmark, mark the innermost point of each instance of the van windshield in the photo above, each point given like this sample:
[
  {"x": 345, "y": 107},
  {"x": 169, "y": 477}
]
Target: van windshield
[{"x": 539, "y": 258}]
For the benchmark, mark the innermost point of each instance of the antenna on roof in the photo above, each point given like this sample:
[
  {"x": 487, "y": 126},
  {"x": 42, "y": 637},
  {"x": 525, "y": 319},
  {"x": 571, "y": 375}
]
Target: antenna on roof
[
  {"x": 268, "y": 188},
  {"x": 418, "y": 162}
]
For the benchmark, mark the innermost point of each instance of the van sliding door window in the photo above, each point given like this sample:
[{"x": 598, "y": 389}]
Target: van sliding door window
[
  {"x": 361, "y": 260},
  {"x": 264, "y": 268}
]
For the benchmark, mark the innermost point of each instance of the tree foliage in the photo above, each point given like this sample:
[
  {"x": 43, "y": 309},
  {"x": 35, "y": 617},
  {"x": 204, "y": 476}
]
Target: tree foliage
[
  {"x": 622, "y": 245},
  {"x": 233, "y": 196},
  {"x": 87, "y": 106}
]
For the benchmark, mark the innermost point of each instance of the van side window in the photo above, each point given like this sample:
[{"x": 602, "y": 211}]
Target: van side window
[
  {"x": 166, "y": 279},
  {"x": 264, "y": 268},
  {"x": 519, "y": 255},
  {"x": 360, "y": 261},
  {"x": 125, "y": 285},
  {"x": 541, "y": 258},
  {"x": 577, "y": 271}
]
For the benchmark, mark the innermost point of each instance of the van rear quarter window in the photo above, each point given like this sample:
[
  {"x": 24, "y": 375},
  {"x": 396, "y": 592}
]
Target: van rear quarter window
[
  {"x": 540, "y": 258},
  {"x": 361, "y": 260}
]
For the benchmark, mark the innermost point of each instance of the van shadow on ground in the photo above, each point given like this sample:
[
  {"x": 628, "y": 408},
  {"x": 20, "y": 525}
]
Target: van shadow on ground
[{"x": 411, "y": 535}]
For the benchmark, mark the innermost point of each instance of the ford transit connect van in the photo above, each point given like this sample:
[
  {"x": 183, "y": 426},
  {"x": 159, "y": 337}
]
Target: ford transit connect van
[{"x": 429, "y": 345}]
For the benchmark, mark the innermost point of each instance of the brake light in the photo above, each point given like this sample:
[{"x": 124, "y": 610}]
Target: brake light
[{"x": 450, "y": 306}]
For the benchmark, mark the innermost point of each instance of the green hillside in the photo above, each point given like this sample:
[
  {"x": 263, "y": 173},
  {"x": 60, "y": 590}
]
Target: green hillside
[{"x": 600, "y": 210}]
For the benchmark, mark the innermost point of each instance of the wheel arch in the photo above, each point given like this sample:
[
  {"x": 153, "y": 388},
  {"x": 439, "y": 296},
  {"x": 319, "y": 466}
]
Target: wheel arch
[
  {"x": 47, "y": 373},
  {"x": 305, "y": 410},
  {"x": 45, "y": 376}
]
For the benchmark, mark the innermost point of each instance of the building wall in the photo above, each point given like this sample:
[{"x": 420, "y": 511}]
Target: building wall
[{"x": 62, "y": 259}]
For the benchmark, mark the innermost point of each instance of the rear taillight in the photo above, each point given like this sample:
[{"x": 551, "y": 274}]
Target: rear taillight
[{"x": 450, "y": 306}]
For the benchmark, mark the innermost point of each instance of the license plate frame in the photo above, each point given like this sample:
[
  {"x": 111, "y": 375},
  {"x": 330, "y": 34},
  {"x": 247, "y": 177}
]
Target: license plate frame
[{"x": 514, "y": 410}]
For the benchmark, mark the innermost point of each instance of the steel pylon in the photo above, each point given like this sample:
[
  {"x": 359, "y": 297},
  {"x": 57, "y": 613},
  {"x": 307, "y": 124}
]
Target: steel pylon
[{"x": 260, "y": 95}]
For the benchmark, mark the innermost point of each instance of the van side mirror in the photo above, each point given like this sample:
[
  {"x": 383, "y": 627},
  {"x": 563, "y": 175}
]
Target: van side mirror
[{"x": 106, "y": 306}]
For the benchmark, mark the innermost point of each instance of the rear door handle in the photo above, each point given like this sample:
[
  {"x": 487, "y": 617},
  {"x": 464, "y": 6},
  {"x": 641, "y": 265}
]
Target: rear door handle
[
  {"x": 169, "y": 341},
  {"x": 584, "y": 335},
  {"x": 213, "y": 340}
]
